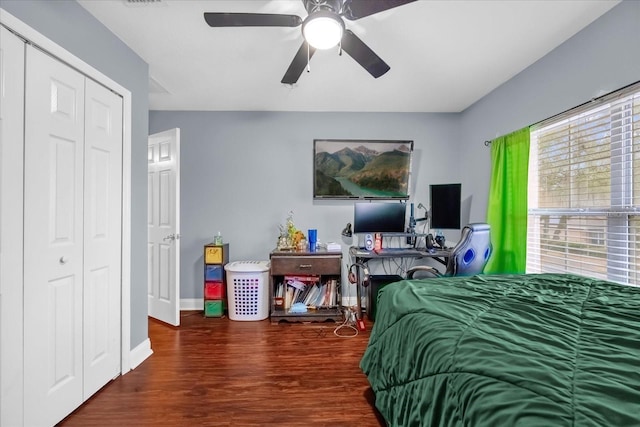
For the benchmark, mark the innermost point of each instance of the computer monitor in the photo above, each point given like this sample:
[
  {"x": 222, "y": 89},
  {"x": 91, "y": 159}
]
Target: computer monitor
[
  {"x": 445, "y": 206},
  {"x": 377, "y": 217}
]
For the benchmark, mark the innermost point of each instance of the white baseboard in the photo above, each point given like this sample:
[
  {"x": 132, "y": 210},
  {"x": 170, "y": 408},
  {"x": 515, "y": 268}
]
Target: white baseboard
[
  {"x": 140, "y": 353},
  {"x": 188, "y": 304}
]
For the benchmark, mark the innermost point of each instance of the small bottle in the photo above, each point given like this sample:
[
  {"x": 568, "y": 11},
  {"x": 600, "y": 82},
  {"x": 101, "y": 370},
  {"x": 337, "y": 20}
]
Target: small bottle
[{"x": 217, "y": 239}]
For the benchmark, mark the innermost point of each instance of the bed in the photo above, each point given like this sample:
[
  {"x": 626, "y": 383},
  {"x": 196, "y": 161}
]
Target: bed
[{"x": 514, "y": 350}]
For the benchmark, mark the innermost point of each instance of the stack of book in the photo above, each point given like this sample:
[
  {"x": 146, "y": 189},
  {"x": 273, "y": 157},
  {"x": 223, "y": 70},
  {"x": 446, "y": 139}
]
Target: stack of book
[{"x": 307, "y": 290}]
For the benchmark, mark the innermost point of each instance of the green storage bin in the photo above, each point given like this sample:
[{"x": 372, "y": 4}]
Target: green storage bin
[{"x": 213, "y": 308}]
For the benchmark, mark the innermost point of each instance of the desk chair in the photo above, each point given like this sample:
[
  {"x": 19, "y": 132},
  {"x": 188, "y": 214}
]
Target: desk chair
[{"x": 468, "y": 256}]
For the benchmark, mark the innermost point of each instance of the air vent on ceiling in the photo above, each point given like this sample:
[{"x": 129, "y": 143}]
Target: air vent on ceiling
[
  {"x": 136, "y": 3},
  {"x": 144, "y": 3}
]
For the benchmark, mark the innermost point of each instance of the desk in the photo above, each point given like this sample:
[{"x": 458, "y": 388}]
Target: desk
[{"x": 361, "y": 255}]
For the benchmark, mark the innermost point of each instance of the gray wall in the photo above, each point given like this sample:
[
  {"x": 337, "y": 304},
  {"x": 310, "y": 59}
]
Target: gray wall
[
  {"x": 603, "y": 57},
  {"x": 72, "y": 27},
  {"x": 242, "y": 172}
]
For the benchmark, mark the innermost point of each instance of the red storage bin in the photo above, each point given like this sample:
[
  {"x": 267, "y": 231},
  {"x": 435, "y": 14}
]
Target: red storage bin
[{"x": 213, "y": 290}]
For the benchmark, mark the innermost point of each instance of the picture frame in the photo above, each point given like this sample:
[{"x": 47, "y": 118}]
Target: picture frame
[{"x": 362, "y": 169}]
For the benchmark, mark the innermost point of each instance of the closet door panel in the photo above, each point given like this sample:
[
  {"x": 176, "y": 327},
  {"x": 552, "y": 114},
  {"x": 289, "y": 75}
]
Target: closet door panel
[
  {"x": 11, "y": 163},
  {"x": 53, "y": 239},
  {"x": 102, "y": 236}
]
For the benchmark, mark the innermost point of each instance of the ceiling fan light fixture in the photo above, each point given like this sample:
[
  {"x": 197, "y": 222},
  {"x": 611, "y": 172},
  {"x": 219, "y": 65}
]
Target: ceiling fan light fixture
[{"x": 323, "y": 29}]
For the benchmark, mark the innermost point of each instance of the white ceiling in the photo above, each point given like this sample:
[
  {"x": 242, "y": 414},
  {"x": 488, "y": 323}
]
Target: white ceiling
[{"x": 444, "y": 55}]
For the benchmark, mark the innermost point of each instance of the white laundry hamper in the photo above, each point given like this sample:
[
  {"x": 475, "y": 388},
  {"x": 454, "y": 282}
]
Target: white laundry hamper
[{"x": 248, "y": 290}]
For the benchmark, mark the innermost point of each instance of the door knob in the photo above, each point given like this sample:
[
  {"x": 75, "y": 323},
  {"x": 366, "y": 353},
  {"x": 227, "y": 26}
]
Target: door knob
[
  {"x": 171, "y": 237},
  {"x": 63, "y": 260}
]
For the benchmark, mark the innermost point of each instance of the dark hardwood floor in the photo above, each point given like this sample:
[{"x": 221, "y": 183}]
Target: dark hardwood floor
[{"x": 219, "y": 372}]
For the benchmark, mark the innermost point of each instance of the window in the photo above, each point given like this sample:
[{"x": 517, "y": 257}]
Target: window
[{"x": 584, "y": 191}]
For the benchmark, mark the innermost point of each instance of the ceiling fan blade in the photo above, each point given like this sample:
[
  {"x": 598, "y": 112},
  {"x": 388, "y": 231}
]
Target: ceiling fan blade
[
  {"x": 356, "y": 9},
  {"x": 297, "y": 65},
  {"x": 363, "y": 54},
  {"x": 215, "y": 19}
]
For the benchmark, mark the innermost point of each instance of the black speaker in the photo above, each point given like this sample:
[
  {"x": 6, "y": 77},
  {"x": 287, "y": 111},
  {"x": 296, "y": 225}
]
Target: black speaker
[{"x": 376, "y": 283}]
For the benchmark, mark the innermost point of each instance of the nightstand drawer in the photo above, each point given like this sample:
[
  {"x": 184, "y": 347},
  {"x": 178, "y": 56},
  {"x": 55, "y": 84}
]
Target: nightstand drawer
[{"x": 282, "y": 265}]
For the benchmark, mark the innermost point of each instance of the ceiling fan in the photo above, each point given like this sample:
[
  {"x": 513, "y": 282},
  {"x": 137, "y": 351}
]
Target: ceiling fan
[{"x": 323, "y": 28}]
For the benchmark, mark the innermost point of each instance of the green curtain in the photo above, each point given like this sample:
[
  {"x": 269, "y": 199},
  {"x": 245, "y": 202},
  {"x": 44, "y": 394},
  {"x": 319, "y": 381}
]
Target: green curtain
[{"x": 507, "y": 208}]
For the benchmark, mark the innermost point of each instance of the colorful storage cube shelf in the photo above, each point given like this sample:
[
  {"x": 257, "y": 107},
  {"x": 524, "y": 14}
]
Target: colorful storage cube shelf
[{"x": 215, "y": 258}]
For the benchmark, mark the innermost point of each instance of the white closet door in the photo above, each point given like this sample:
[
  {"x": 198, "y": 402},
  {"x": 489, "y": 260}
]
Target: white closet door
[
  {"x": 53, "y": 239},
  {"x": 102, "y": 236},
  {"x": 11, "y": 149}
]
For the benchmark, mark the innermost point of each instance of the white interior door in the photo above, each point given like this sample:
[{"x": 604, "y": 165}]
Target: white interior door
[
  {"x": 53, "y": 239},
  {"x": 163, "y": 218},
  {"x": 102, "y": 236}
]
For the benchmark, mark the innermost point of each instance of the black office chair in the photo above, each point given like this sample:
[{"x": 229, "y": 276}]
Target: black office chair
[{"x": 468, "y": 256}]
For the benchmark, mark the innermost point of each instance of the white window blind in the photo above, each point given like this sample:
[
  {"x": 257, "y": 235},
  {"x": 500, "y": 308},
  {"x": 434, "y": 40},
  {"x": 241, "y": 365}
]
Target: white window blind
[{"x": 584, "y": 191}]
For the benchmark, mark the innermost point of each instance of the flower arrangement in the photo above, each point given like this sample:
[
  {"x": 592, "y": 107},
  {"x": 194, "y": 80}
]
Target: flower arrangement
[{"x": 290, "y": 237}]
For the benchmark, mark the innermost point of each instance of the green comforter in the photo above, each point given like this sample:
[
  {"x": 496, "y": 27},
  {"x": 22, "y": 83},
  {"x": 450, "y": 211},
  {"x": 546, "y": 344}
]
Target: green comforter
[{"x": 524, "y": 350}]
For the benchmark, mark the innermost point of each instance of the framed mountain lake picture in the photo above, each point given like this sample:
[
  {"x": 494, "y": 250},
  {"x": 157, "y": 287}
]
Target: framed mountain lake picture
[{"x": 361, "y": 169}]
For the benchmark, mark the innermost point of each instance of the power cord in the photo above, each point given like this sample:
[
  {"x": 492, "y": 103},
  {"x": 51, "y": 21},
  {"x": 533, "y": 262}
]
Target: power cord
[
  {"x": 349, "y": 324},
  {"x": 349, "y": 320}
]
